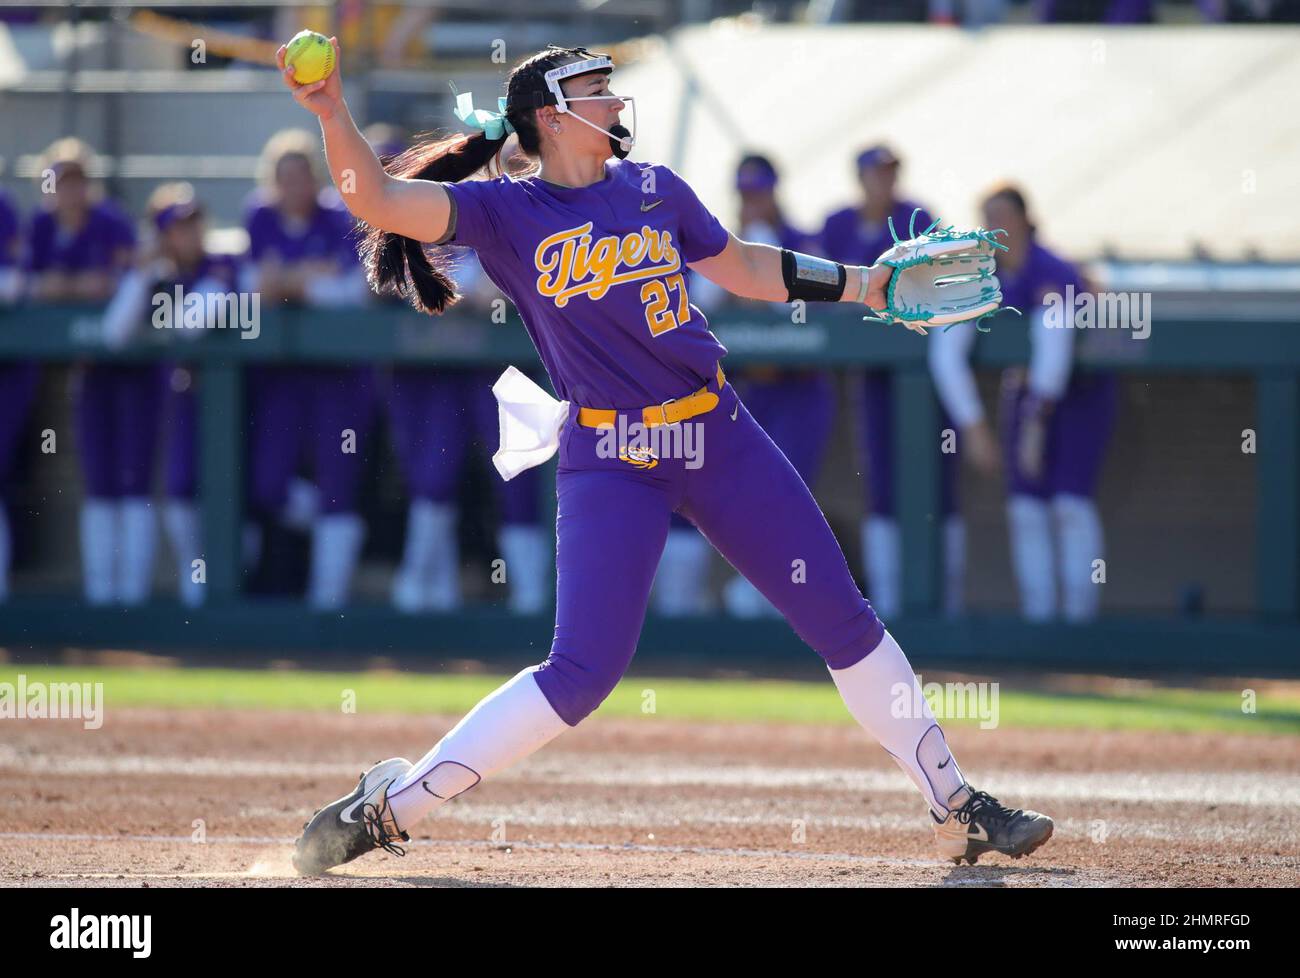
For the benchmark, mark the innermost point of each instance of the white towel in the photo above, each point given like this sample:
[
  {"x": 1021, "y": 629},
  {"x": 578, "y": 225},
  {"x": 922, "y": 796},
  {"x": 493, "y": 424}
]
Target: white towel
[{"x": 530, "y": 421}]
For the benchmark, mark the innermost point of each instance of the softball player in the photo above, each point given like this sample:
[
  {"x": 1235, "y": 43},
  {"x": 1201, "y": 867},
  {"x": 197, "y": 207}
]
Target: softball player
[
  {"x": 796, "y": 407},
  {"x": 434, "y": 415},
  {"x": 300, "y": 251},
  {"x": 79, "y": 248},
  {"x": 857, "y": 234},
  {"x": 1057, "y": 421},
  {"x": 179, "y": 259},
  {"x": 593, "y": 252}
]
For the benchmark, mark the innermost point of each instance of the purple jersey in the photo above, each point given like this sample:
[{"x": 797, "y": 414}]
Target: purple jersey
[
  {"x": 326, "y": 234},
  {"x": 10, "y": 232},
  {"x": 213, "y": 271},
  {"x": 1042, "y": 272},
  {"x": 598, "y": 276},
  {"x": 1094, "y": 11},
  {"x": 793, "y": 239},
  {"x": 847, "y": 239},
  {"x": 779, "y": 236},
  {"x": 107, "y": 230}
]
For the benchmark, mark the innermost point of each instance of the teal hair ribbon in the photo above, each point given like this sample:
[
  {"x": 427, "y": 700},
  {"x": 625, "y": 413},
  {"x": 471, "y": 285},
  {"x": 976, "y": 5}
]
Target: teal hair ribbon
[{"x": 495, "y": 125}]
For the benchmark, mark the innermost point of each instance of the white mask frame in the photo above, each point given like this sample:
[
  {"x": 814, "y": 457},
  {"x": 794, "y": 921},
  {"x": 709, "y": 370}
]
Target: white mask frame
[{"x": 557, "y": 75}]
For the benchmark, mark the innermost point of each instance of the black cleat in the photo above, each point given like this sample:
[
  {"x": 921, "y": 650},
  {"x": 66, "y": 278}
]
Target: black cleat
[
  {"x": 978, "y": 824},
  {"x": 353, "y": 825}
]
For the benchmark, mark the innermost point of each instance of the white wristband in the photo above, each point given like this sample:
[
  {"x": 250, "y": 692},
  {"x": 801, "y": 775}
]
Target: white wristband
[{"x": 864, "y": 278}]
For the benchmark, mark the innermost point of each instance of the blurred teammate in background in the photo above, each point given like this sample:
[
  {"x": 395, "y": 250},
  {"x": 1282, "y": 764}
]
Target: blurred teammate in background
[
  {"x": 301, "y": 251},
  {"x": 177, "y": 258},
  {"x": 858, "y": 234},
  {"x": 796, "y": 407},
  {"x": 18, "y": 381},
  {"x": 437, "y": 415},
  {"x": 80, "y": 245},
  {"x": 1057, "y": 420}
]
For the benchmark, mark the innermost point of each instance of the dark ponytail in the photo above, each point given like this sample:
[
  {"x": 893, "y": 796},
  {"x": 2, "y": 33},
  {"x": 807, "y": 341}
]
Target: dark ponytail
[{"x": 395, "y": 264}]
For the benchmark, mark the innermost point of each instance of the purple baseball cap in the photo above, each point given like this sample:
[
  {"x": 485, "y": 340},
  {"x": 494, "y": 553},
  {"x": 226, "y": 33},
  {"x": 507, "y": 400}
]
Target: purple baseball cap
[
  {"x": 878, "y": 155},
  {"x": 179, "y": 211},
  {"x": 755, "y": 173}
]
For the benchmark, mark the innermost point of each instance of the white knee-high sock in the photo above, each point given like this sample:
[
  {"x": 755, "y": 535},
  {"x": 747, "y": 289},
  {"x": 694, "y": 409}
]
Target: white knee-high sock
[
  {"x": 6, "y": 552},
  {"x": 506, "y": 726},
  {"x": 1032, "y": 557},
  {"x": 681, "y": 582},
  {"x": 181, "y": 521},
  {"x": 528, "y": 567},
  {"x": 882, "y": 555},
  {"x": 884, "y": 696},
  {"x": 335, "y": 548},
  {"x": 136, "y": 549},
  {"x": 99, "y": 550},
  {"x": 1079, "y": 542},
  {"x": 954, "y": 566}
]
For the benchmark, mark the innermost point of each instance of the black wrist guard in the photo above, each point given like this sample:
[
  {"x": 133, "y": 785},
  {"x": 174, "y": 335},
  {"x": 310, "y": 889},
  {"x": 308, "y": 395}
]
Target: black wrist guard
[{"x": 812, "y": 279}]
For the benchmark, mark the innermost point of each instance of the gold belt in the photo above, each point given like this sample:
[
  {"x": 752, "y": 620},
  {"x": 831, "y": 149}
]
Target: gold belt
[{"x": 671, "y": 411}]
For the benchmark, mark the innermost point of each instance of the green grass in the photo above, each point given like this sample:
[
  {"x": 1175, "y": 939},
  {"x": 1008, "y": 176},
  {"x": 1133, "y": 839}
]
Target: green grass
[{"x": 1178, "y": 709}]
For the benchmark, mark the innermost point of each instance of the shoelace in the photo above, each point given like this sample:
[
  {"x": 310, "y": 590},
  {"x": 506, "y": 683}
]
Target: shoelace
[
  {"x": 373, "y": 817},
  {"x": 986, "y": 806}
]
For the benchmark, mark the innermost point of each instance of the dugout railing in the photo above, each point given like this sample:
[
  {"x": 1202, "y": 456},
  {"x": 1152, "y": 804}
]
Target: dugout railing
[{"x": 1193, "y": 340}]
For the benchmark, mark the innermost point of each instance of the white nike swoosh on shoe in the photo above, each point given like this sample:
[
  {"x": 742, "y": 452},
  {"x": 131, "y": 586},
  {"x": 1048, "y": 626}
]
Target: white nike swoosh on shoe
[
  {"x": 978, "y": 833},
  {"x": 348, "y": 814}
]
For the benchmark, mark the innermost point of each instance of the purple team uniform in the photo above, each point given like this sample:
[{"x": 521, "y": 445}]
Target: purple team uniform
[
  {"x": 180, "y": 388},
  {"x": 290, "y": 405},
  {"x": 117, "y": 403},
  {"x": 436, "y": 415},
  {"x": 600, "y": 286},
  {"x": 846, "y": 240},
  {"x": 1081, "y": 424},
  {"x": 18, "y": 381}
]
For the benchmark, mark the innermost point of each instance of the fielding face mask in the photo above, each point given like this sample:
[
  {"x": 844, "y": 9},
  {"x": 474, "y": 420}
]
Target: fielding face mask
[{"x": 621, "y": 140}]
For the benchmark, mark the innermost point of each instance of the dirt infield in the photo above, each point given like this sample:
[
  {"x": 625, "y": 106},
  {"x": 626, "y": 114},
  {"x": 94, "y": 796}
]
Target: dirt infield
[{"x": 634, "y": 803}]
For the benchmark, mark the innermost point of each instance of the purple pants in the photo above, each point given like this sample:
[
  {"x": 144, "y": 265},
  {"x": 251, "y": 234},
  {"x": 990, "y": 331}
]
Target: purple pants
[
  {"x": 878, "y": 446},
  {"x": 181, "y": 409},
  {"x": 797, "y": 410},
  {"x": 18, "y": 386},
  {"x": 747, "y": 500},
  {"x": 437, "y": 416},
  {"x": 295, "y": 407},
  {"x": 1078, "y": 433},
  {"x": 117, "y": 412}
]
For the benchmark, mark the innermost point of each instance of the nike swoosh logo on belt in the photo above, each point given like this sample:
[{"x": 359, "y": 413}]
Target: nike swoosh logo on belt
[{"x": 650, "y": 206}]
